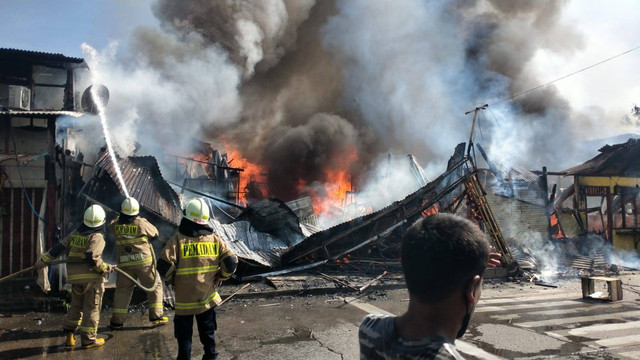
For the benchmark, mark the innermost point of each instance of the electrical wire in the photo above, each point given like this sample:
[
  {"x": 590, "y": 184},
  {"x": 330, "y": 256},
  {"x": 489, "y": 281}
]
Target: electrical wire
[
  {"x": 563, "y": 77},
  {"x": 480, "y": 124},
  {"x": 212, "y": 203},
  {"x": 494, "y": 116}
]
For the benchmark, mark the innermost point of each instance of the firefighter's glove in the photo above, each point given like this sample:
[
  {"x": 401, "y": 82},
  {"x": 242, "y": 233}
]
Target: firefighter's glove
[
  {"x": 110, "y": 268},
  {"x": 40, "y": 264}
]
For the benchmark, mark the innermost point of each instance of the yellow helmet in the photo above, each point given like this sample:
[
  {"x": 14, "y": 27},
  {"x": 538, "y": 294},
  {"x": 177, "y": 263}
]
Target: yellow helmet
[
  {"x": 197, "y": 211},
  {"x": 94, "y": 216},
  {"x": 130, "y": 206}
]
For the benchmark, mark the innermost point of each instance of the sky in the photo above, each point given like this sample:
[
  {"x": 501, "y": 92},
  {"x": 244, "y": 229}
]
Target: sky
[{"x": 28, "y": 25}]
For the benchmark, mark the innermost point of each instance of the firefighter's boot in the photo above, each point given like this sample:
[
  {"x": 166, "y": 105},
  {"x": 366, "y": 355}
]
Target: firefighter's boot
[
  {"x": 97, "y": 342},
  {"x": 160, "y": 321},
  {"x": 70, "y": 340}
]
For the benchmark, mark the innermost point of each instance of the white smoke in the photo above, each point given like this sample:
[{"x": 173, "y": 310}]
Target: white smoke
[
  {"x": 168, "y": 93},
  {"x": 404, "y": 69},
  {"x": 260, "y": 72},
  {"x": 390, "y": 179}
]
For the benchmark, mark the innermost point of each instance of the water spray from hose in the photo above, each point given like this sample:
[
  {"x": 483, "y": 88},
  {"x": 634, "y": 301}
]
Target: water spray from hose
[
  {"x": 97, "y": 100},
  {"x": 94, "y": 102}
]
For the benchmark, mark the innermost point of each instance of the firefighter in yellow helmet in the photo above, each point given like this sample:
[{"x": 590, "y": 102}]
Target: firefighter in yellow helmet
[
  {"x": 196, "y": 260},
  {"x": 85, "y": 273},
  {"x": 134, "y": 252}
]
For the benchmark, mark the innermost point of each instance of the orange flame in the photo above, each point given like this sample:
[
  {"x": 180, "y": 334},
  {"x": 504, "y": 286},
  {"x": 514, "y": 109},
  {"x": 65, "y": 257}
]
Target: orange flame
[
  {"x": 431, "y": 210},
  {"x": 252, "y": 172},
  {"x": 329, "y": 197},
  {"x": 555, "y": 226}
]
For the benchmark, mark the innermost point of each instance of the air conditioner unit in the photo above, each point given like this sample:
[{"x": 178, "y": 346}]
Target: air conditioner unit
[{"x": 15, "y": 97}]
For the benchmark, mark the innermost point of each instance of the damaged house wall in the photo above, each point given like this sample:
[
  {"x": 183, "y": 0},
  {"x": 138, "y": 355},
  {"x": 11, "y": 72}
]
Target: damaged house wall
[
  {"x": 35, "y": 90},
  {"x": 607, "y": 194},
  {"x": 24, "y": 188},
  {"x": 520, "y": 210}
]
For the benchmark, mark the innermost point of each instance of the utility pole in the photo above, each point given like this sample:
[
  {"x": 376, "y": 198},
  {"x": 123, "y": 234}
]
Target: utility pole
[{"x": 473, "y": 124}]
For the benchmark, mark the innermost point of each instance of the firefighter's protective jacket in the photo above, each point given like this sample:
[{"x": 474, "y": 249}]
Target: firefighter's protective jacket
[
  {"x": 197, "y": 267},
  {"x": 132, "y": 241},
  {"x": 84, "y": 251}
]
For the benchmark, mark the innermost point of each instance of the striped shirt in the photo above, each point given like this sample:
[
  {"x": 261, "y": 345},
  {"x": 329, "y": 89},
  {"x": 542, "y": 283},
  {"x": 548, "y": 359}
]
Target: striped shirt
[{"x": 379, "y": 341}]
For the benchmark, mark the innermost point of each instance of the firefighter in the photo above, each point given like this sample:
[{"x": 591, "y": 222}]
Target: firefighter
[
  {"x": 135, "y": 256},
  {"x": 85, "y": 273},
  {"x": 196, "y": 261}
]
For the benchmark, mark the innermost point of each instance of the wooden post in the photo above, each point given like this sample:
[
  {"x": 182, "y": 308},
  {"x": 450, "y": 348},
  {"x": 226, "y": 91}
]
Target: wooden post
[{"x": 473, "y": 124}]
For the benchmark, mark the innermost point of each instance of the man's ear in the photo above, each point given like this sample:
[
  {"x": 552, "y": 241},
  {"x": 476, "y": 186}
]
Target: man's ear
[{"x": 472, "y": 292}]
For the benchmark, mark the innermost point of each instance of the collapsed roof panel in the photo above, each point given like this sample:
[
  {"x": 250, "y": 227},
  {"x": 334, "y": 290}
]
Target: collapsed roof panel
[
  {"x": 273, "y": 216},
  {"x": 613, "y": 160},
  {"x": 250, "y": 245},
  {"x": 143, "y": 180},
  {"x": 346, "y": 237}
]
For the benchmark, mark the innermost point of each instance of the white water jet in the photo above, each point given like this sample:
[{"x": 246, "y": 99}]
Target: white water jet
[{"x": 105, "y": 129}]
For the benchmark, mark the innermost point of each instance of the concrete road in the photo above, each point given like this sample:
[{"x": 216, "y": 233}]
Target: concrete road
[{"x": 512, "y": 321}]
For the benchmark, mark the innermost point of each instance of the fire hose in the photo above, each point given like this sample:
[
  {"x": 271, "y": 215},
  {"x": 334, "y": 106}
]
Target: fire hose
[{"x": 156, "y": 280}]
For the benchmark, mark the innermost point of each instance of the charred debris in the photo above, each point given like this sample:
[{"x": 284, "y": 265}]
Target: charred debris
[{"x": 279, "y": 241}]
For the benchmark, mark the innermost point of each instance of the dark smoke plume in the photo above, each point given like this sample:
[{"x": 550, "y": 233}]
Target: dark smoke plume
[{"x": 294, "y": 84}]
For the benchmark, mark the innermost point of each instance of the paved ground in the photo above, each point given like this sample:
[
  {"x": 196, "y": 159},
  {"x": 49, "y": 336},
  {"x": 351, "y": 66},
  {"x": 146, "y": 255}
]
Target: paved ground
[{"x": 512, "y": 321}]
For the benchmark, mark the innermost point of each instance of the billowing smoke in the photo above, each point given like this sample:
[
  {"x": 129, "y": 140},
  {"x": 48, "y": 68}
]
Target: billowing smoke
[
  {"x": 253, "y": 32},
  {"x": 158, "y": 94},
  {"x": 295, "y": 85},
  {"x": 302, "y": 152}
]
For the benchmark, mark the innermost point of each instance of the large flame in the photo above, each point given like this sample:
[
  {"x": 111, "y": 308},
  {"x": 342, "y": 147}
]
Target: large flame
[
  {"x": 329, "y": 195},
  {"x": 252, "y": 172}
]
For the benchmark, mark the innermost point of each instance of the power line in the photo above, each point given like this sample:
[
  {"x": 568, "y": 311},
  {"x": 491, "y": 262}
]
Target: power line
[{"x": 563, "y": 77}]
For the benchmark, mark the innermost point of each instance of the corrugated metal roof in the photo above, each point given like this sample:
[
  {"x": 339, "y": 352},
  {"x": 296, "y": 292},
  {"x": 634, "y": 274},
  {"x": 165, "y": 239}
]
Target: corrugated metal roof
[
  {"x": 349, "y": 235},
  {"x": 526, "y": 188},
  {"x": 517, "y": 218},
  {"x": 273, "y": 216},
  {"x": 613, "y": 160},
  {"x": 39, "y": 55},
  {"x": 144, "y": 182},
  {"x": 516, "y": 174},
  {"x": 251, "y": 245},
  {"x": 40, "y": 112}
]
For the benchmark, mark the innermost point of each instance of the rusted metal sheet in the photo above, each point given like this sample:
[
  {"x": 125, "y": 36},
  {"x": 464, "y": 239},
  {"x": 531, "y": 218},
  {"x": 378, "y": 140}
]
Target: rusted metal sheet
[
  {"x": 18, "y": 229},
  {"x": 143, "y": 180},
  {"x": 252, "y": 246}
]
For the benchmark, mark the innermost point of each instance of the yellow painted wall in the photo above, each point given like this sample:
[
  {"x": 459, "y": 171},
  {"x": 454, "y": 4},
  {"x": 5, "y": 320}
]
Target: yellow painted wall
[
  {"x": 622, "y": 239},
  {"x": 610, "y": 181}
]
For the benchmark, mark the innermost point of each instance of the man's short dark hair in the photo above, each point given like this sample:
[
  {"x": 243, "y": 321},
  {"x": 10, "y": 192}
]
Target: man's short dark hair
[{"x": 441, "y": 253}]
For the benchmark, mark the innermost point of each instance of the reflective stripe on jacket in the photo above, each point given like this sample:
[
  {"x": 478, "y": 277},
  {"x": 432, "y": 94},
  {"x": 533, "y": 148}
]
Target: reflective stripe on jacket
[
  {"x": 132, "y": 241},
  {"x": 196, "y": 266},
  {"x": 77, "y": 247}
]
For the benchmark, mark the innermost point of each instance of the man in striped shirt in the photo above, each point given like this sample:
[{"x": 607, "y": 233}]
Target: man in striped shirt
[
  {"x": 443, "y": 258},
  {"x": 196, "y": 260}
]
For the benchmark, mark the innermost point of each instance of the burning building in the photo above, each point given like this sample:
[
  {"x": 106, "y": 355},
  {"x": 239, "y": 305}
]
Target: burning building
[{"x": 605, "y": 197}]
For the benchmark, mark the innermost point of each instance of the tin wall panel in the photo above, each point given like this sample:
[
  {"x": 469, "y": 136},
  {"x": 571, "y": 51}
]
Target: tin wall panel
[{"x": 19, "y": 230}]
